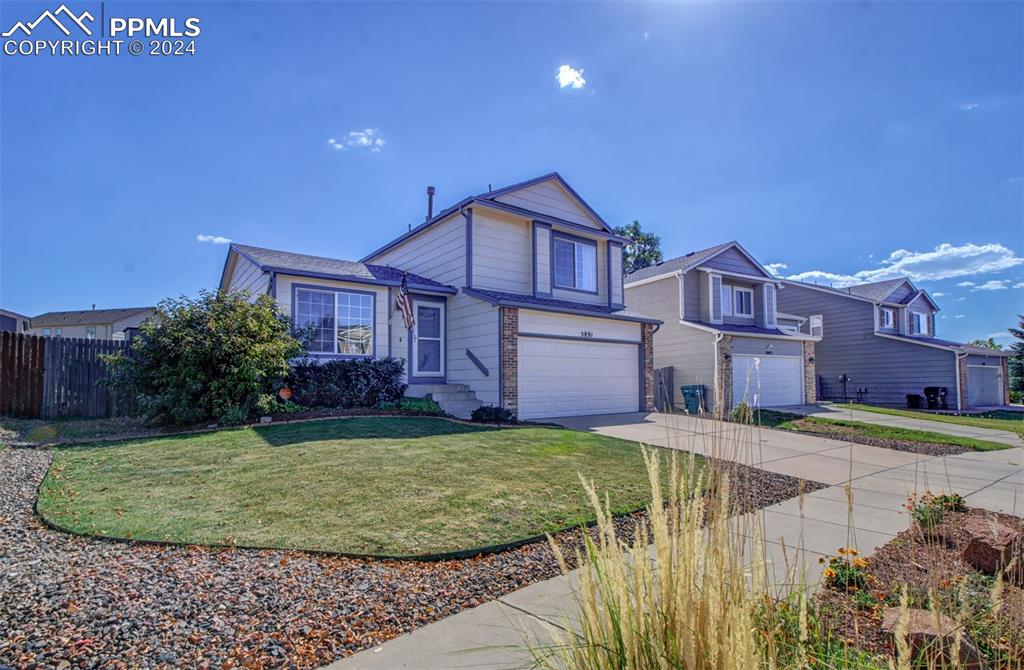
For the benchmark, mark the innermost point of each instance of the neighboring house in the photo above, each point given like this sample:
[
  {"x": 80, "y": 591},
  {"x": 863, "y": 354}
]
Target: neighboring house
[
  {"x": 882, "y": 338},
  {"x": 91, "y": 324},
  {"x": 722, "y": 329},
  {"x": 517, "y": 297},
  {"x": 12, "y": 322}
]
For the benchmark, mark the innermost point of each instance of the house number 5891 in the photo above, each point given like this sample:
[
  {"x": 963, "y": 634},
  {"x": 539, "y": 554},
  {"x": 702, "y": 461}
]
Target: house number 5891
[{"x": 586, "y": 333}]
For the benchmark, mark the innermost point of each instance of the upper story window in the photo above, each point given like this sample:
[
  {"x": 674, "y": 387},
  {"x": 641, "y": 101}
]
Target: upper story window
[
  {"x": 338, "y": 322},
  {"x": 743, "y": 302},
  {"x": 918, "y": 323},
  {"x": 575, "y": 264},
  {"x": 887, "y": 318}
]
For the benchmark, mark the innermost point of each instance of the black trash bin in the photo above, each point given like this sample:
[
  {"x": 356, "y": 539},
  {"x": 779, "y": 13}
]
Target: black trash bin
[
  {"x": 914, "y": 401},
  {"x": 693, "y": 398},
  {"x": 936, "y": 396}
]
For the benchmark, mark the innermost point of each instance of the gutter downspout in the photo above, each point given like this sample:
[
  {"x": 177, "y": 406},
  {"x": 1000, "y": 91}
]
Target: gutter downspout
[{"x": 959, "y": 399}]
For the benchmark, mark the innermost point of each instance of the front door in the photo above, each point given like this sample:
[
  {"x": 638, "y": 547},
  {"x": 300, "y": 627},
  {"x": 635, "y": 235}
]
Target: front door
[{"x": 428, "y": 339}]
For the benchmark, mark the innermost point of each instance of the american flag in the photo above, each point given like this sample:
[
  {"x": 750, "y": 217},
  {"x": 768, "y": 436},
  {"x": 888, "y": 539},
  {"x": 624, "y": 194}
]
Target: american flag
[{"x": 404, "y": 303}]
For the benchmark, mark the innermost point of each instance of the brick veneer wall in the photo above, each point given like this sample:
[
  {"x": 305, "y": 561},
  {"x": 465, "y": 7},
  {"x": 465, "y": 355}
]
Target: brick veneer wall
[
  {"x": 1006, "y": 380},
  {"x": 723, "y": 381},
  {"x": 510, "y": 359},
  {"x": 647, "y": 345},
  {"x": 810, "y": 378}
]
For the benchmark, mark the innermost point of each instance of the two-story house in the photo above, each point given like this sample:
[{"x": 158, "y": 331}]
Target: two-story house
[
  {"x": 723, "y": 331},
  {"x": 882, "y": 346},
  {"x": 517, "y": 301}
]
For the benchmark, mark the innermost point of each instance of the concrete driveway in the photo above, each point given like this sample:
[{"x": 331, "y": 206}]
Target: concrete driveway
[
  {"x": 840, "y": 412},
  {"x": 805, "y": 456}
]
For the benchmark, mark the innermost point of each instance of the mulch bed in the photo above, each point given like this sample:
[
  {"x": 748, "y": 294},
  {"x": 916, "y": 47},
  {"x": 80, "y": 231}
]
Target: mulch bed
[
  {"x": 927, "y": 562},
  {"x": 71, "y": 602},
  {"x": 849, "y": 434}
]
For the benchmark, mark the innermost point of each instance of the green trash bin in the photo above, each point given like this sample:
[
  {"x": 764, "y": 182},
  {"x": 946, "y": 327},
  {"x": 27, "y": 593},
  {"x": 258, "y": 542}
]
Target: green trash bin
[{"x": 693, "y": 398}]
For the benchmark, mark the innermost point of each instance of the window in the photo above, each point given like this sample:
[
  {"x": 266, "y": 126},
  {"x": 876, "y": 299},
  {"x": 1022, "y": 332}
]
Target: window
[
  {"x": 743, "y": 302},
  {"x": 90, "y": 333},
  {"x": 338, "y": 322},
  {"x": 575, "y": 264},
  {"x": 919, "y": 323},
  {"x": 726, "y": 300},
  {"x": 888, "y": 319}
]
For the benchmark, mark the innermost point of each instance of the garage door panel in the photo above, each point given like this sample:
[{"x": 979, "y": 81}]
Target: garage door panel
[
  {"x": 984, "y": 386},
  {"x": 767, "y": 381},
  {"x": 572, "y": 377}
]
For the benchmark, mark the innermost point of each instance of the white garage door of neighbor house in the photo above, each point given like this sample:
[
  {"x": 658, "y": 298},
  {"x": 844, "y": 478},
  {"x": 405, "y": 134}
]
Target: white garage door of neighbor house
[
  {"x": 984, "y": 385},
  {"x": 773, "y": 382},
  {"x": 571, "y": 377}
]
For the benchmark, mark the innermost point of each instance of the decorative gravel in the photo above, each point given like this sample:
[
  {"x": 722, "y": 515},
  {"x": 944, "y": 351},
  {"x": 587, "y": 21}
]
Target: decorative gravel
[{"x": 71, "y": 602}]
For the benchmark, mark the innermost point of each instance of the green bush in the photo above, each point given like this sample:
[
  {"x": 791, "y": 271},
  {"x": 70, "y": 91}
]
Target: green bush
[
  {"x": 492, "y": 414},
  {"x": 208, "y": 358},
  {"x": 422, "y": 406},
  {"x": 357, "y": 382}
]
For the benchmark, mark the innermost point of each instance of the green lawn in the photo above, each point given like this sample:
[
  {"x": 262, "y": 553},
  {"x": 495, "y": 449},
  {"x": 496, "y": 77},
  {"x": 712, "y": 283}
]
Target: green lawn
[
  {"x": 835, "y": 428},
  {"x": 997, "y": 420},
  {"x": 391, "y": 486}
]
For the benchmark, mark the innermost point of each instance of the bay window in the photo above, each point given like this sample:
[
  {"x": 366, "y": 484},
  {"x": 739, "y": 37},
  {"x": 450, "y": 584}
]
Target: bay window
[
  {"x": 575, "y": 264},
  {"x": 337, "y": 322}
]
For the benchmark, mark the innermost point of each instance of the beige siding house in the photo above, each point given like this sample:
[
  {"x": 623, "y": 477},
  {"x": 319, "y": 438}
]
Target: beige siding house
[
  {"x": 91, "y": 324},
  {"x": 723, "y": 331},
  {"x": 517, "y": 300}
]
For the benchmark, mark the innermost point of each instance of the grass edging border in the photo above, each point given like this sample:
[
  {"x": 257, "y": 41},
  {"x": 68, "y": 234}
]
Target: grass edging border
[
  {"x": 282, "y": 422},
  {"x": 461, "y": 554}
]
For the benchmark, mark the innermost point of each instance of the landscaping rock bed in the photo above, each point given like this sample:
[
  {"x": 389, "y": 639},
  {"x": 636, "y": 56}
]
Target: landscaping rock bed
[
  {"x": 935, "y": 565},
  {"x": 71, "y": 602}
]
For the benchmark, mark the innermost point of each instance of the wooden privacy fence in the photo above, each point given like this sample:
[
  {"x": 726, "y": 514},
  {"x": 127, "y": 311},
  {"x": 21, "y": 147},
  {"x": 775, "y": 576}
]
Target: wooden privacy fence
[{"x": 50, "y": 377}]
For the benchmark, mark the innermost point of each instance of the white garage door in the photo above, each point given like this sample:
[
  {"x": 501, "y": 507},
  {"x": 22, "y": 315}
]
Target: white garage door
[
  {"x": 984, "y": 386},
  {"x": 773, "y": 381},
  {"x": 571, "y": 377}
]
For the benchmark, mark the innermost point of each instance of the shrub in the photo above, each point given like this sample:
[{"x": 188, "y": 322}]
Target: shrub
[
  {"x": 422, "y": 406},
  {"x": 492, "y": 414},
  {"x": 347, "y": 383},
  {"x": 206, "y": 358},
  {"x": 743, "y": 414}
]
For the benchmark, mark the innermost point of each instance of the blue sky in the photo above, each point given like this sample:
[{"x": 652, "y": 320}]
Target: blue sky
[{"x": 845, "y": 141}]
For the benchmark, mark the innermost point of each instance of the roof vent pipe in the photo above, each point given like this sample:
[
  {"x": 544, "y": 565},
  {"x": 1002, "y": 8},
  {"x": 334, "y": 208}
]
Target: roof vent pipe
[{"x": 430, "y": 202}]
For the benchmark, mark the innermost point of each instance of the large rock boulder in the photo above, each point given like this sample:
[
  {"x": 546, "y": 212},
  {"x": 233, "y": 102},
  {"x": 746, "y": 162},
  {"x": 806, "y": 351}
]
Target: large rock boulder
[
  {"x": 992, "y": 545},
  {"x": 931, "y": 637}
]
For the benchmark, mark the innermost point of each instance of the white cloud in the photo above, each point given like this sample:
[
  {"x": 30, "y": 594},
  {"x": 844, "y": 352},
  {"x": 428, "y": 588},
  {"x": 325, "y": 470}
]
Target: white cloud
[
  {"x": 570, "y": 77},
  {"x": 775, "y": 268},
  {"x": 965, "y": 284},
  {"x": 959, "y": 316},
  {"x": 213, "y": 239},
  {"x": 993, "y": 285},
  {"x": 368, "y": 138},
  {"x": 967, "y": 106},
  {"x": 945, "y": 261},
  {"x": 938, "y": 294}
]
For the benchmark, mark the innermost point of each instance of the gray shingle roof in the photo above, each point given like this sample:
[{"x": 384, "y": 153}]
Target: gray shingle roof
[
  {"x": 86, "y": 317},
  {"x": 378, "y": 274},
  {"x": 875, "y": 290},
  {"x": 674, "y": 264},
  {"x": 500, "y": 297}
]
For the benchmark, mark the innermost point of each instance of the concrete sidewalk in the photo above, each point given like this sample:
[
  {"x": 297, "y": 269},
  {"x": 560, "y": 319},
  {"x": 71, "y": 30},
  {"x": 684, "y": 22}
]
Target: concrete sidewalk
[
  {"x": 796, "y": 532},
  {"x": 839, "y": 412}
]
